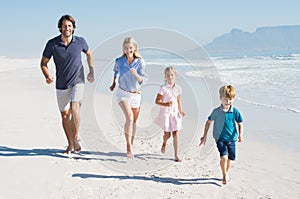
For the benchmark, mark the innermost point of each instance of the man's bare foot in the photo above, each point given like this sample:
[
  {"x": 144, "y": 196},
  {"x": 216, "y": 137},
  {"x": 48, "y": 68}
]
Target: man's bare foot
[
  {"x": 163, "y": 148},
  {"x": 68, "y": 150},
  {"x": 77, "y": 147},
  {"x": 225, "y": 179}
]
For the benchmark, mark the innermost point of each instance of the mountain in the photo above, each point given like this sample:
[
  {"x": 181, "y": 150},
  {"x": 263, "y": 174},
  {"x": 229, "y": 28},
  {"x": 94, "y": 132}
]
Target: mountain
[{"x": 264, "y": 39}]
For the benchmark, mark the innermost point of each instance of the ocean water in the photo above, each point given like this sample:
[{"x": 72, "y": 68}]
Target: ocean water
[{"x": 265, "y": 80}]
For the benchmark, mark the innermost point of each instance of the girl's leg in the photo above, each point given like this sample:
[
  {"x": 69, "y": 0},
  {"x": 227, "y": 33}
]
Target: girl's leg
[
  {"x": 136, "y": 112},
  {"x": 175, "y": 145},
  {"x": 125, "y": 106},
  {"x": 166, "y": 136}
]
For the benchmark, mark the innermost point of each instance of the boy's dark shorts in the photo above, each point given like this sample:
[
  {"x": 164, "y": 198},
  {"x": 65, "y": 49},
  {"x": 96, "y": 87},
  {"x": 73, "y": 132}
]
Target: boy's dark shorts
[{"x": 226, "y": 148}]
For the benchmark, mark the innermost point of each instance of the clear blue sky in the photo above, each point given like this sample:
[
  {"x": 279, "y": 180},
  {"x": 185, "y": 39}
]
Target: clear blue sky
[{"x": 27, "y": 25}]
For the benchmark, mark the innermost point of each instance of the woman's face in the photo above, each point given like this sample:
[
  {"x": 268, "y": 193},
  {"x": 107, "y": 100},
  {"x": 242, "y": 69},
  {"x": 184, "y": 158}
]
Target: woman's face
[{"x": 129, "y": 49}]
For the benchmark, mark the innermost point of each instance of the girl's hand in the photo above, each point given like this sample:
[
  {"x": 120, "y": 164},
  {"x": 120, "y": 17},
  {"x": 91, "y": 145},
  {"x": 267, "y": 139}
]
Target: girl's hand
[
  {"x": 182, "y": 113},
  {"x": 169, "y": 103}
]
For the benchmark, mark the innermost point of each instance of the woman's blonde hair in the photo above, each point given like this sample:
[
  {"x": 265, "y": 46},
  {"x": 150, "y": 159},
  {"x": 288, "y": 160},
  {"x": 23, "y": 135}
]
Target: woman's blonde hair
[
  {"x": 130, "y": 40},
  {"x": 227, "y": 91}
]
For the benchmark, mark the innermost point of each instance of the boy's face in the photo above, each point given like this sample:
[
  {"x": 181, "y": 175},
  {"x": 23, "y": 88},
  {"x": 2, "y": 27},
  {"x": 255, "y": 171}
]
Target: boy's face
[{"x": 226, "y": 102}]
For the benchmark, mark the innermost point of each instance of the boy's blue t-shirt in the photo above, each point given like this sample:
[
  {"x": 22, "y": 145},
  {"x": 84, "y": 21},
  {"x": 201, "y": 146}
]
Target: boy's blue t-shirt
[
  {"x": 67, "y": 59},
  {"x": 225, "y": 123}
]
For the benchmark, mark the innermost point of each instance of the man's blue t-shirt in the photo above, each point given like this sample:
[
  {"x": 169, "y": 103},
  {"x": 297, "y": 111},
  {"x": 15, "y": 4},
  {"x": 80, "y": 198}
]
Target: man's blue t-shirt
[
  {"x": 67, "y": 59},
  {"x": 225, "y": 123}
]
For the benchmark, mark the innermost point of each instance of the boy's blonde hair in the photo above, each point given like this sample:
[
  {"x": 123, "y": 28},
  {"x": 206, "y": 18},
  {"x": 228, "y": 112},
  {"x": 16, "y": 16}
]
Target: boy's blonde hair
[{"x": 227, "y": 91}]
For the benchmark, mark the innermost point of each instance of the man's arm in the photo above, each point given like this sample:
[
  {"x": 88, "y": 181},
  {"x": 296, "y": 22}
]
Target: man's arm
[
  {"x": 45, "y": 70},
  {"x": 90, "y": 61}
]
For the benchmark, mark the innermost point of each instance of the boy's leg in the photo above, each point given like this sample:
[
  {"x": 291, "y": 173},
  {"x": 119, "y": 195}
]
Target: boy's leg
[
  {"x": 166, "y": 136},
  {"x": 175, "y": 145},
  {"x": 224, "y": 167}
]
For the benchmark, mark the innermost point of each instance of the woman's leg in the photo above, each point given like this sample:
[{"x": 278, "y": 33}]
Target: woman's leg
[{"x": 125, "y": 106}]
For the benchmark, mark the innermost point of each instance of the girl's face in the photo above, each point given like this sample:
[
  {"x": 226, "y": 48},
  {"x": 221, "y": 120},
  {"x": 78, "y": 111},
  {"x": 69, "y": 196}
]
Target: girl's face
[
  {"x": 128, "y": 50},
  {"x": 170, "y": 77}
]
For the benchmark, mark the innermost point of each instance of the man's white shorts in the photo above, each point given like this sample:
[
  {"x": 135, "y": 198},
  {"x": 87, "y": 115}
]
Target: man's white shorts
[{"x": 64, "y": 97}]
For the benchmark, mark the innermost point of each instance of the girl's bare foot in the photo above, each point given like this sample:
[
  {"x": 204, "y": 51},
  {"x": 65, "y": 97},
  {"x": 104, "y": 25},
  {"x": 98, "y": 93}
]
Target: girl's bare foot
[{"x": 163, "y": 148}]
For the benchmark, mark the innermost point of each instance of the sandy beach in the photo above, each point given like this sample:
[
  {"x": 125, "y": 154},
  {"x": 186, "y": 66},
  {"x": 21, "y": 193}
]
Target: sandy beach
[{"x": 33, "y": 164}]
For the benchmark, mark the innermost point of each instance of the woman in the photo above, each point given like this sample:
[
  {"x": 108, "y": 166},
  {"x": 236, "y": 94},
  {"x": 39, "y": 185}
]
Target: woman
[{"x": 130, "y": 70}]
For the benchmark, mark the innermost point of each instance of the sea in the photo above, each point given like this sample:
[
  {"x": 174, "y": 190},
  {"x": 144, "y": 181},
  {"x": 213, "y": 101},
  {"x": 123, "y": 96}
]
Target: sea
[{"x": 264, "y": 79}]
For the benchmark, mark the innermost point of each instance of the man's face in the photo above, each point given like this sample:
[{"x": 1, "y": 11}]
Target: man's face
[{"x": 67, "y": 28}]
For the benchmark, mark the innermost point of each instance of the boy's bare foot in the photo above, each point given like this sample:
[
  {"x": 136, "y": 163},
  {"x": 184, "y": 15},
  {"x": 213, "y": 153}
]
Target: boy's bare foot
[
  {"x": 163, "y": 148},
  {"x": 225, "y": 179}
]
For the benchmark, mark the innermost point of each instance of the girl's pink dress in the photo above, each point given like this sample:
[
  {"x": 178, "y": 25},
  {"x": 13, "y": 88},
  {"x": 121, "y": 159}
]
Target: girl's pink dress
[{"x": 169, "y": 118}]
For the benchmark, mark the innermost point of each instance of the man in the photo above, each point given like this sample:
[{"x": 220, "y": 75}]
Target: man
[{"x": 66, "y": 50}]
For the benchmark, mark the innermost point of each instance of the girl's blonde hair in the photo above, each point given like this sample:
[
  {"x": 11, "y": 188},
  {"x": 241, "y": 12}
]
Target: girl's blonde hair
[
  {"x": 227, "y": 91},
  {"x": 170, "y": 68},
  {"x": 130, "y": 40}
]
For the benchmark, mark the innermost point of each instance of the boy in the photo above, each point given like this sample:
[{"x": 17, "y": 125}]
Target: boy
[{"x": 225, "y": 132}]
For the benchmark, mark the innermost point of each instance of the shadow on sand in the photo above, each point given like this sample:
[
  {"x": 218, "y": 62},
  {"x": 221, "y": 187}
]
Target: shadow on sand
[{"x": 168, "y": 180}]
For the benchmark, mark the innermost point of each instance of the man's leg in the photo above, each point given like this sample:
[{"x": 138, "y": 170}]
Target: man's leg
[
  {"x": 75, "y": 123},
  {"x": 67, "y": 126}
]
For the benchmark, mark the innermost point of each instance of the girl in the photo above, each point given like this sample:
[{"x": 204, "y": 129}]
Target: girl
[{"x": 170, "y": 115}]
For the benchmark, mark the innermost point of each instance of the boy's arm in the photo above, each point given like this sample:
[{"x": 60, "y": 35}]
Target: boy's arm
[
  {"x": 206, "y": 128},
  {"x": 241, "y": 132}
]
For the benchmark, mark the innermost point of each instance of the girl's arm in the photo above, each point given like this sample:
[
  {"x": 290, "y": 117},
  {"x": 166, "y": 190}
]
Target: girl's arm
[
  {"x": 159, "y": 102},
  {"x": 179, "y": 106}
]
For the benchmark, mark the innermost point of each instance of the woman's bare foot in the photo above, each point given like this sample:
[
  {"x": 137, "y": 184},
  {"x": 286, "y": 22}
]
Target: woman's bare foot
[
  {"x": 130, "y": 153},
  {"x": 177, "y": 159},
  {"x": 163, "y": 148}
]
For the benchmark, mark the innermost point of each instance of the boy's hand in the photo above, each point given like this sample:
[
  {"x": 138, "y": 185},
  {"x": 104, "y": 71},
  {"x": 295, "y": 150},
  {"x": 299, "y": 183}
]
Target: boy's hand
[
  {"x": 240, "y": 139},
  {"x": 202, "y": 141}
]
